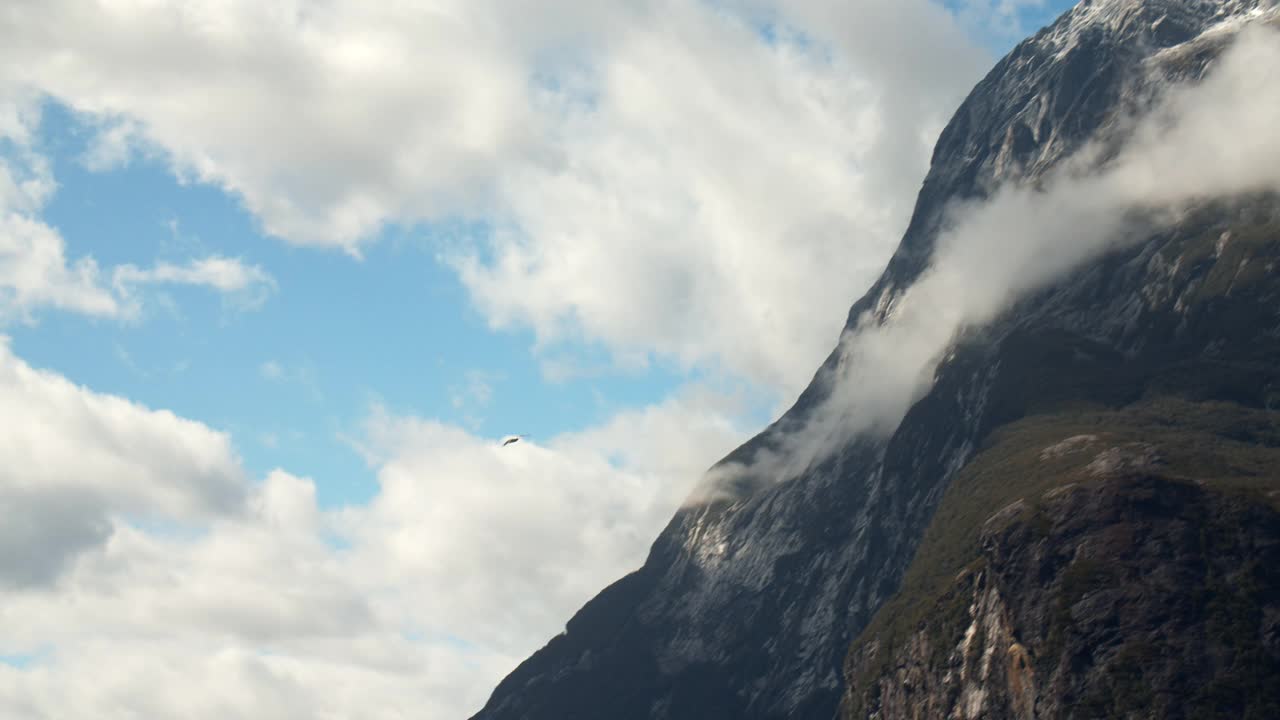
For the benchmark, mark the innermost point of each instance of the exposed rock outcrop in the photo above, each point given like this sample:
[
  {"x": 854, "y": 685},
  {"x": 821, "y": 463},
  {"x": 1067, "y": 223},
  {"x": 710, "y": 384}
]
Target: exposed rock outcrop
[{"x": 1134, "y": 596}]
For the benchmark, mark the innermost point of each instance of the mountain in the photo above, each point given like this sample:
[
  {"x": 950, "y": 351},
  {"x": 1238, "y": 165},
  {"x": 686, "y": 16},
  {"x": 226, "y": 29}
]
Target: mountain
[{"x": 1088, "y": 478}]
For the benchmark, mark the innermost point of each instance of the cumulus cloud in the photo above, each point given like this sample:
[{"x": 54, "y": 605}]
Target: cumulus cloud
[
  {"x": 719, "y": 189},
  {"x": 415, "y": 604},
  {"x": 126, "y": 629},
  {"x": 675, "y": 178},
  {"x": 1199, "y": 142},
  {"x": 522, "y": 535},
  {"x": 71, "y": 460}
]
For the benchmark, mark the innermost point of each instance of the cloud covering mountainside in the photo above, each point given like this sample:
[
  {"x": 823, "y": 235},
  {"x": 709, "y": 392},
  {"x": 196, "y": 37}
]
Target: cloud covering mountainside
[{"x": 1200, "y": 143}]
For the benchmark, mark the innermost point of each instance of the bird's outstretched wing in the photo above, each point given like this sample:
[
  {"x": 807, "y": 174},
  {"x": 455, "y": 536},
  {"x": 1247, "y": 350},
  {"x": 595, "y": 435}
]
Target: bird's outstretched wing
[{"x": 512, "y": 439}]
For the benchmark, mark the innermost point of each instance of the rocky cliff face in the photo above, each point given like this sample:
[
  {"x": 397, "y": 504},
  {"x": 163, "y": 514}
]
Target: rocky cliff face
[
  {"x": 1135, "y": 596},
  {"x": 748, "y": 603}
]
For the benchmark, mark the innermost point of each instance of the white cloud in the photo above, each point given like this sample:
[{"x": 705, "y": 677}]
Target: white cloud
[
  {"x": 112, "y": 145},
  {"x": 35, "y": 272},
  {"x": 719, "y": 189},
  {"x": 250, "y": 284},
  {"x": 317, "y": 114},
  {"x": 413, "y": 605},
  {"x": 72, "y": 460},
  {"x": 680, "y": 436},
  {"x": 26, "y": 181},
  {"x": 522, "y": 535},
  {"x": 669, "y": 177},
  {"x": 241, "y": 287}
]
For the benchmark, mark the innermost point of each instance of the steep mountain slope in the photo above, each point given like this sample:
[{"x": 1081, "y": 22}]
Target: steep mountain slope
[
  {"x": 748, "y": 601},
  {"x": 1112, "y": 551}
]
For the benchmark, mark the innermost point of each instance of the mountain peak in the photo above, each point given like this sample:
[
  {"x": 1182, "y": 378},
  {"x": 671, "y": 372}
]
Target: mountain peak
[{"x": 1158, "y": 23}]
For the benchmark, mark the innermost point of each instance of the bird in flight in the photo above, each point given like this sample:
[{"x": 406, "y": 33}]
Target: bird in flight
[{"x": 511, "y": 439}]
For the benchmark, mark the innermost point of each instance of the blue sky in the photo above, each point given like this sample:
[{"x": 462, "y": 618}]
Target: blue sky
[{"x": 276, "y": 278}]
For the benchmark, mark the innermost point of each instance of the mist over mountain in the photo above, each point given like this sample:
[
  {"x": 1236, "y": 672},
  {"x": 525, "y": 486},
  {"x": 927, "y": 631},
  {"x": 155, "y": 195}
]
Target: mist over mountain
[{"x": 1035, "y": 477}]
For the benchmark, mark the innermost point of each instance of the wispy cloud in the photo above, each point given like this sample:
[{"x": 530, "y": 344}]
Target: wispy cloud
[
  {"x": 35, "y": 274},
  {"x": 471, "y": 396},
  {"x": 302, "y": 375},
  {"x": 73, "y": 459},
  {"x": 230, "y": 276},
  {"x": 475, "y": 391},
  {"x": 271, "y": 370}
]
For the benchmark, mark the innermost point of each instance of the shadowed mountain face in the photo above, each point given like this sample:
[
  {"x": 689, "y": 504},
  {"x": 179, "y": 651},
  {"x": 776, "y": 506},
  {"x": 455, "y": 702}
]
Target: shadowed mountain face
[{"x": 748, "y": 603}]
